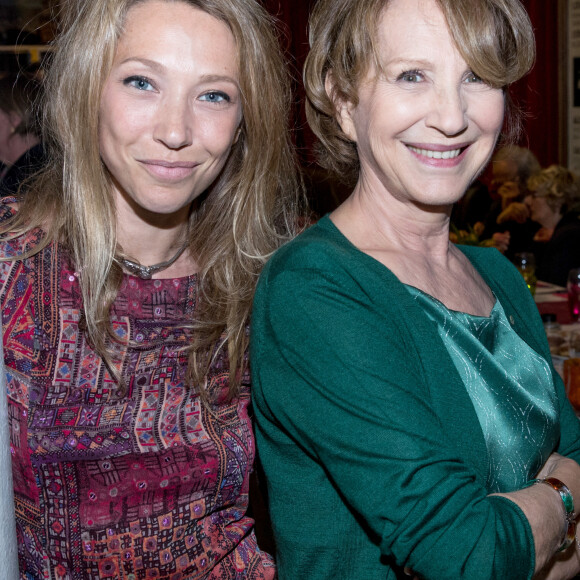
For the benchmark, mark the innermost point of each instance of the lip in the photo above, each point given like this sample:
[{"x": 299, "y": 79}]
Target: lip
[
  {"x": 436, "y": 155},
  {"x": 168, "y": 170}
]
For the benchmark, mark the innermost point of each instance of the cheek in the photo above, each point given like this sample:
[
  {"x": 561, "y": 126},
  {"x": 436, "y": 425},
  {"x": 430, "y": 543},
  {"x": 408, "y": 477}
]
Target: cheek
[
  {"x": 544, "y": 208},
  {"x": 118, "y": 131},
  {"x": 490, "y": 112},
  {"x": 119, "y": 120},
  {"x": 217, "y": 133}
]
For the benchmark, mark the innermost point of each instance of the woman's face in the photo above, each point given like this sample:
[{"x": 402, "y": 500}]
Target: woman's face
[
  {"x": 540, "y": 210},
  {"x": 170, "y": 107},
  {"x": 426, "y": 127}
]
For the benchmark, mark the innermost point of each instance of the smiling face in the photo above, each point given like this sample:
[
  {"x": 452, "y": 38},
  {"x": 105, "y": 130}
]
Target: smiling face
[
  {"x": 170, "y": 108},
  {"x": 425, "y": 126}
]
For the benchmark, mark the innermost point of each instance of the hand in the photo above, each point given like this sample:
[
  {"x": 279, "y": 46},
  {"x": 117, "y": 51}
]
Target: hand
[
  {"x": 516, "y": 212},
  {"x": 543, "y": 235},
  {"x": 501, "y": 241},
  {"x": 562, "y": 566},
  {"x": 552, "y": 464}
]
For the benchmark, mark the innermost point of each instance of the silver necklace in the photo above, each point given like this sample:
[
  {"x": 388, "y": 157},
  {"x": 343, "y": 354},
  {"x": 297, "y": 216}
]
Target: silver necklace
[{"x": 146, "y": 272}]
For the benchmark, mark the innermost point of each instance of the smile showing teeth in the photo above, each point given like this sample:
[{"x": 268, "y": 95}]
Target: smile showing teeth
[{"x": 436, "y": 154}]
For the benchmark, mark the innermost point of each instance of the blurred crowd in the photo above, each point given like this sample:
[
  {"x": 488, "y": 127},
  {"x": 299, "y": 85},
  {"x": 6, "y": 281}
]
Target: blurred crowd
[{"x": 524, "y": 208}]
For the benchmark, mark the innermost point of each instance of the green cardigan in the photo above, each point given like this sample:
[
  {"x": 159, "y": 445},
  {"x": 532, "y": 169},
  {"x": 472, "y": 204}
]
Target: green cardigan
[{"x": 372, "y": 450}]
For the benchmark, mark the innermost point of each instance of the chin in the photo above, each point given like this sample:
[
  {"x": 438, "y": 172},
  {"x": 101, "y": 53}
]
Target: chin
[
  {"x": 165, "y": 210},
  {"x": 436, "y": 199}
]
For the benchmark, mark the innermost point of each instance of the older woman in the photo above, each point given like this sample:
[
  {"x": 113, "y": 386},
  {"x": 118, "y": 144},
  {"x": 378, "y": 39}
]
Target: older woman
[
  {"x": 405, "y": 398},
  {"x": 554, "y": 202},
  {"x": 126, "y": 281}
]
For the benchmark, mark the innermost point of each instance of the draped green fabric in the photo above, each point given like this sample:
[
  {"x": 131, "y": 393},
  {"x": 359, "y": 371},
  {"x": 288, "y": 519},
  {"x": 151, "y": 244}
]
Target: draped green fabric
[{"x": 520, "y": 430}]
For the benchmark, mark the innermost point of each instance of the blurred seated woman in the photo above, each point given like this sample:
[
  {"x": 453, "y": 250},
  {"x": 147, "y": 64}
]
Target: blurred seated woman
[
  {"x": 21, "y": 150},
  {"x": 405, "y": 397},
  {"x": 126, "y": 282},
  {"x": 554, "y": 202},
  {"x": 507, "y": 222}
]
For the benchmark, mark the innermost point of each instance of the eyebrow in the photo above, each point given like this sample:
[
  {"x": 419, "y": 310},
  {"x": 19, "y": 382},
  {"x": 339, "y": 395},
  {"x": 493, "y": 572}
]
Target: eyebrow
[
  {"x": 156, "y": 66},
  {"x": 408, "y": 62}
]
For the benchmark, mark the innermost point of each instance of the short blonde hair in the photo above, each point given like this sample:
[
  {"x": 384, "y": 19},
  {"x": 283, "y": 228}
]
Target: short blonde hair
[
  {"x": 239, "y": 221},
  {"x": 495, "y": 37},
  {"x": 558, "y": 185}
]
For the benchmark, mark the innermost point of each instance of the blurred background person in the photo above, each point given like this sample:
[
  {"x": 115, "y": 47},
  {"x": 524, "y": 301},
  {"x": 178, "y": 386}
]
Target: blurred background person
[
  {"x": 507, "y": 222},
  {"x": 554, "y": 203},
  {"x": 496, "y": 213},
  {"x": 21, "y": 149}
]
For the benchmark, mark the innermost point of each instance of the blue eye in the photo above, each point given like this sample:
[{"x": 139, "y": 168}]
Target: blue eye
[
  {"x": 473, "y": 78},
  {"x": 215, "y": 97},
  {"x": 410, "y": 76},
  {"x": 140, "y": 83}
]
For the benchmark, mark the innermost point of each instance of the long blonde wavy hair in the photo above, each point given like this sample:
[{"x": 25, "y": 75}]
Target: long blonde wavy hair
[{"x": 240, "y": 220}]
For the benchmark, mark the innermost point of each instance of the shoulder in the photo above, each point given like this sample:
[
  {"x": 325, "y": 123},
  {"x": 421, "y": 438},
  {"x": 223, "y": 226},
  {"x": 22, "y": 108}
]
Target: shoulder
[
  {"x": 321, "y": 278},
  {"x": 322, "y": 250},
  {"x": 13, "y": 246},
  {"x": 568, "y": 226},
  {"x": 8, "y": 209},
  {"x": 317, "y": 246}
]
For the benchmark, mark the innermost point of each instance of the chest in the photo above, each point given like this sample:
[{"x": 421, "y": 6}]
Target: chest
[{"x": 69, "y": 417}]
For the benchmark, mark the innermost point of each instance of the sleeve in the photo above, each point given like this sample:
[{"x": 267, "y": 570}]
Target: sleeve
[{"x": 344, "y": 380}]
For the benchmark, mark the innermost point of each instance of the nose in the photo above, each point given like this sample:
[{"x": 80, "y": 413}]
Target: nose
[
  {"x": 174, "y": 123},
  {"x": 448, "y": 111}
]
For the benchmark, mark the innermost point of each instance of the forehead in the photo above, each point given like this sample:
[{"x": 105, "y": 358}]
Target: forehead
[
  {"x": 506, "y": 168},
  {"x": 168, "y": 30},
  {"x": 410, "y": 29}
]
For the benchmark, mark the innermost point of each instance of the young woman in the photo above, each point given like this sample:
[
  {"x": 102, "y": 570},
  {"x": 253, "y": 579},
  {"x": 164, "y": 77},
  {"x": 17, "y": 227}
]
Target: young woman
[{"x": 126, "y": 281}]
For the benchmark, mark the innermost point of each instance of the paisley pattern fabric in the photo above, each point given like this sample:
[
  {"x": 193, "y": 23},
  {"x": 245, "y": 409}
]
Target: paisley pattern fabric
[
  {"x": 520, "y": 429},
  {"x": 149, "y": 484}
]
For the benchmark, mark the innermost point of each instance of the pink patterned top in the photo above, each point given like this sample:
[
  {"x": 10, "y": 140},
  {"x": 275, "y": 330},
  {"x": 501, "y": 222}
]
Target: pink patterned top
[{"x": 148, "y": 485}]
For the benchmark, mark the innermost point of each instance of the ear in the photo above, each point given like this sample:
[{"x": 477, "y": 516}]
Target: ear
[{"x": 343, "y": 109}]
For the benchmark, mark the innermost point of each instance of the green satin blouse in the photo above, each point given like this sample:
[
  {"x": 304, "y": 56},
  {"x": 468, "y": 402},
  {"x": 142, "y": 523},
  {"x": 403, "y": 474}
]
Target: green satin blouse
[{"x": 521, "y": 429}]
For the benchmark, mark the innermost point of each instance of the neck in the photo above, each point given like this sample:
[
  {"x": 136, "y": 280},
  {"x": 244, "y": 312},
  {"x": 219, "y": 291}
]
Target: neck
[
  {"x": 374, "y": 222},
  {"x": 150, "y": 245},
  {"x": 149, "y": 240}
]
